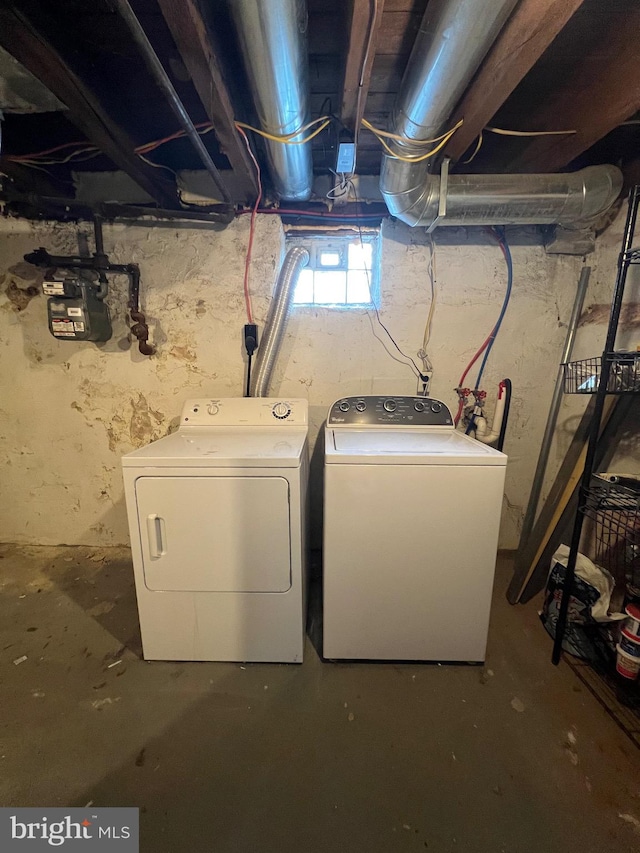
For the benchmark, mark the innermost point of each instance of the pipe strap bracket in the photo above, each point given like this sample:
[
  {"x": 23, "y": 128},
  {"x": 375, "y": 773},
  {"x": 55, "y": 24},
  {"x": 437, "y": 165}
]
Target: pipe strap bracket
[{"x": 442, "y": 197}]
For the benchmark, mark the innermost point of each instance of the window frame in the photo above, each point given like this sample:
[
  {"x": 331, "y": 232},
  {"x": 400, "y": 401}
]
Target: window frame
[{"x": 316, "y": 244}]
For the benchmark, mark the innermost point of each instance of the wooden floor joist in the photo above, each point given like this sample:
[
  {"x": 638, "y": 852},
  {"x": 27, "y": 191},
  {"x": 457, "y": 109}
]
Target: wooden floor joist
[
  {"x": 602, "y": 92},
  {"x": 360, "y": 53},
  {"x": 190, "y": 34},
  {"x": 526, "y": 35},
  {"x": 20, "y": 37}
]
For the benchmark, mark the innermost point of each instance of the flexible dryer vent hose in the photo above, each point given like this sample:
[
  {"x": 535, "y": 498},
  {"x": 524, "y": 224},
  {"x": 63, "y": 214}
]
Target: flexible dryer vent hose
[{"x": 294, "y": 261}]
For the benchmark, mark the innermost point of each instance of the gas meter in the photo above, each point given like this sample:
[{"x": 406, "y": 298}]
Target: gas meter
[{"x": 75, "y": 309}]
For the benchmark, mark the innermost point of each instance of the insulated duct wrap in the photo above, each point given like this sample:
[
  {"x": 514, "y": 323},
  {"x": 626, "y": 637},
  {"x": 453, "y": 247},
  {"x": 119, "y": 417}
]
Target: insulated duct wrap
[{"x": 295, "y": 259}]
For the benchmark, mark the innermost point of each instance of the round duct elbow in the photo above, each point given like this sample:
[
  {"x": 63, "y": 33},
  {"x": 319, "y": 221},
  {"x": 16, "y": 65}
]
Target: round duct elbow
[
  {"x": 598, "y": 188},
  {"x": 408, "y": 189}
]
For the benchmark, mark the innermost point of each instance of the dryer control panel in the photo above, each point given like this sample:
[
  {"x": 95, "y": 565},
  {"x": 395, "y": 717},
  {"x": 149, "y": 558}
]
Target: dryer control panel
[
  {"x": 392, "y": 411},
  {"x": 244, "y": 411}
]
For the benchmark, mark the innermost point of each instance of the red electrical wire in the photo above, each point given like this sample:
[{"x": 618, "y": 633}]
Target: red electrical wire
[
  {"x": 145, "y": 148},
  {"x": 247, "y": 262},
  {"x": 47, "y": 151},
  {"x": 150, "y": 146},
  {"x": 282, "y": 211}
]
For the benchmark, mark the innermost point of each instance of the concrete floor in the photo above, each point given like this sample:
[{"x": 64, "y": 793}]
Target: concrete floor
[{"x": 514, "y": 757}]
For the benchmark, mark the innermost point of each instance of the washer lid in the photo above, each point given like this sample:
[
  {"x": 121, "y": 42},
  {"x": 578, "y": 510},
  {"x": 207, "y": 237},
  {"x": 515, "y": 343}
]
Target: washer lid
[
  {"x": 429, "y": 446},
  {"x": 206, "y": 447}
]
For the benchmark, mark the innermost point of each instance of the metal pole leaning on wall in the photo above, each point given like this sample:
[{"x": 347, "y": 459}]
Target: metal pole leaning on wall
[{"x": 521, "y": 568}]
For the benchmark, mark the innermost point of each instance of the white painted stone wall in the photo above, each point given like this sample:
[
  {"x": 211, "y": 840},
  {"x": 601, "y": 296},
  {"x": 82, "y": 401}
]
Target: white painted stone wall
[
  {"x": 589, "y": 343},
  {"x": 69, "y": 411}
]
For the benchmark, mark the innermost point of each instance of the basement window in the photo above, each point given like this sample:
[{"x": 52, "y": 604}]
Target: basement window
[{"x": 343, "y": 271}]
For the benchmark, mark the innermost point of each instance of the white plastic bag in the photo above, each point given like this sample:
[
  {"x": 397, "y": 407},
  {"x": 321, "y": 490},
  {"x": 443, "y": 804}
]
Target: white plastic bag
[{"x": 597, "y": 577}]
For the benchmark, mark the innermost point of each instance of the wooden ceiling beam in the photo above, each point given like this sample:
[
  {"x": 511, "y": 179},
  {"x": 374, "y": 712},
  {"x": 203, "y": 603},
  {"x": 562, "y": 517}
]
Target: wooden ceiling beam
[
  {"x": 522, "y": 41},
  {"x": 361, "y": 51},
  {"x": 189, "y": 32},
  {"x": 602, "y": 92},
  {"x": 21, "y": 39}
]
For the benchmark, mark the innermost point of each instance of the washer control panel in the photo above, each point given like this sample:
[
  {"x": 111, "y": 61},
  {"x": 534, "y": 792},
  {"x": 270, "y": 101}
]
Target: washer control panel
[
  {"x": 403, "y": 411},
  {"x": 244, "y": 411}
]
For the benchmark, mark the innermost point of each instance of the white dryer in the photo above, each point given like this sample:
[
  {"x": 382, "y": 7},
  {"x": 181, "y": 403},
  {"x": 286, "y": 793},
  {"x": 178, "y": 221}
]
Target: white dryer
[
  {"x": 411, "y": 518},
  {"x": 217, "y": 517}
]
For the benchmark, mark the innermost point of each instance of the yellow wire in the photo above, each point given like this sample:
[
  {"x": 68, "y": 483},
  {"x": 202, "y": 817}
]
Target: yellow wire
[
  {"x": 503, "y": 132},
  {"x": 157, "y": 165},
  {"x": 90, "y": 150},
  {"x": 288, "y": 138},
  {"x": 377, "y": 132},
  {"x": 421, "y": 157},
  {"x": 381, "y": 135},
  {"x": 475, "y": 150}
]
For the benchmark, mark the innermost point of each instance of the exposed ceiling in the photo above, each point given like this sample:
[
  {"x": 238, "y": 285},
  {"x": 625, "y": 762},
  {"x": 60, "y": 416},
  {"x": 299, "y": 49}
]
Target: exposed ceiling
[{"x": 557, "y": 65}]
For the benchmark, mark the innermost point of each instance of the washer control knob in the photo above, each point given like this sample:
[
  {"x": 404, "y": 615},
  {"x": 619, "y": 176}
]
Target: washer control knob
[
  {"x": 344, "y": 406},
  {"x": 436, "y": 407},
  {"x": 213, "y": 408},
  {"x": 361, "y": 406},
  {"x": 390, "y": 406},
  {"x": 281, "y": 411},
  {"x": 419, "y": 406}
]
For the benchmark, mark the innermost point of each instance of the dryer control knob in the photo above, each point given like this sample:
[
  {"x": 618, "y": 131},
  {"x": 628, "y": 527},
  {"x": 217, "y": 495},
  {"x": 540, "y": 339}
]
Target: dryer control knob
[
  {"x": 390, "y": 405},
  {"x": 436, "y": 407},
  {"x": 419, "y": 406},
  {"x": 344, "y": 406},
  {"x": 361, "y": 406},
  {"x": 281, "y": 411},
  {"x": 213, "y": 408}
]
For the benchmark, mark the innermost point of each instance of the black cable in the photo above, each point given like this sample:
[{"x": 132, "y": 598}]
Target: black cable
[
  {"x": 404, "y": 355},
  {"x": 250, "y": 345},
  {"x": 247, "y": 392},
  {"x": 416, "y": 369},
  {"x": 505, "y": 414},
  {"x": 336, "y": 121}
]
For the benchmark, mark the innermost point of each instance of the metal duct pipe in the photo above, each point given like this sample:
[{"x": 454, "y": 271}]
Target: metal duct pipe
[
  {"x": 452, "y": 41},
  {"x": 454, "y": 38},
  {"x": 273, "y": 41},
  {"x": 294, "y": 261},
  {"x": 547, "y": 199}
]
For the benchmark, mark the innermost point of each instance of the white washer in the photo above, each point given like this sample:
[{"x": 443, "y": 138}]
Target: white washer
[
  {"x": 217, "y": 516},
  {"x": 411, "y": 517}
]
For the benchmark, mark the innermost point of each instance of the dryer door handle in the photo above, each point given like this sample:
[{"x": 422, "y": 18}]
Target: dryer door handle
[{"x": 157, "y": 536}]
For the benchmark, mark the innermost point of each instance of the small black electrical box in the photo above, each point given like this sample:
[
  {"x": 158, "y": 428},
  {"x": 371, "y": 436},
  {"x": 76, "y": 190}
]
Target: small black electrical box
[{"x": 75, "y": 311}]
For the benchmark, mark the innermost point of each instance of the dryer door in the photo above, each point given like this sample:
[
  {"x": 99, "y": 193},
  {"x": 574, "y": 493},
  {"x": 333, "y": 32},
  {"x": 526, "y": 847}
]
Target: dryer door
[{"x": 215, "y": 534}]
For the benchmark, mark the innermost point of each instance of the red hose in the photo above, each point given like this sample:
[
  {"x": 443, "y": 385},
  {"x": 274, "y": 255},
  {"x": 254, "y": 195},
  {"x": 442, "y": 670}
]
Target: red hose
[
  {"x": 466, "y": 370},
  {"x": 492, "y": 333}
]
